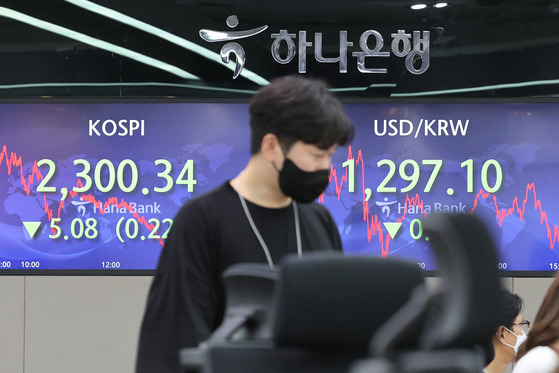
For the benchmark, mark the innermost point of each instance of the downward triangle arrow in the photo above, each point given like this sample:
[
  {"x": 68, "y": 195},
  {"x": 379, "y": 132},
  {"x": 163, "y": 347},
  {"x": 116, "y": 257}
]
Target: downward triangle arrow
[
  {"x": 392, "y": 228},
  {"x": 32, "y": 227}
]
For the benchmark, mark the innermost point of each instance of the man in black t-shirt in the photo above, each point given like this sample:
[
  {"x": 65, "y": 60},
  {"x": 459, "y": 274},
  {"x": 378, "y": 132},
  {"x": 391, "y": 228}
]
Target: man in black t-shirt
[{"x": 265, "y": 212}]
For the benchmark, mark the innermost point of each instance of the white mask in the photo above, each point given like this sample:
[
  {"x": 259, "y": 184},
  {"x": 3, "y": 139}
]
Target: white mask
[{"x": 519, "y": 340}]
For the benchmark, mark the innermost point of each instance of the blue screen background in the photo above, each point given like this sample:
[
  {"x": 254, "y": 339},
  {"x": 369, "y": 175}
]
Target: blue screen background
[{"x": 520, "y": 139}]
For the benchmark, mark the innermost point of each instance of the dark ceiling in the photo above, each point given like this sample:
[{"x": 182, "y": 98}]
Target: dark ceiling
[{"x": 121, "y": 48}]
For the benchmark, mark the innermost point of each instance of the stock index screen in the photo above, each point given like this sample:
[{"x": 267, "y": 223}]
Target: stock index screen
[{"x": 95, "y": 186}]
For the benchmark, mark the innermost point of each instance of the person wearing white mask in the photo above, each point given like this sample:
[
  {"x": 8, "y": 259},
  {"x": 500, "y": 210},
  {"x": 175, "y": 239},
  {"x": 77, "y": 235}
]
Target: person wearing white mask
[
  {"x": 540, "y": 352},
  {"x": 509, "y": 335}
]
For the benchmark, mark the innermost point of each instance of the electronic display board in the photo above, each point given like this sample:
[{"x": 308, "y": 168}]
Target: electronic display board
[{"x": 94, "y": 186}]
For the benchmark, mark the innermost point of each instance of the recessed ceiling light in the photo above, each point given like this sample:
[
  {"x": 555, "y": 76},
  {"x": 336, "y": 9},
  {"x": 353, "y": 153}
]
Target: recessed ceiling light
[
  {"x": 440, "y": 5},
  {"x": 418, "y": 6}
]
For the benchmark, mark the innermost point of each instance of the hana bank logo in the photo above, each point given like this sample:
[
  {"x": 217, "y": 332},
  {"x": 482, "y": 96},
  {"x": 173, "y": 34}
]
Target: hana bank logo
[
  {"x": 213, "y": 36},
  {"x": 414, "y": 47}
]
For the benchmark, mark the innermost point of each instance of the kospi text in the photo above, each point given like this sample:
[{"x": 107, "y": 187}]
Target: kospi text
[{"x": 121, "y": 127}]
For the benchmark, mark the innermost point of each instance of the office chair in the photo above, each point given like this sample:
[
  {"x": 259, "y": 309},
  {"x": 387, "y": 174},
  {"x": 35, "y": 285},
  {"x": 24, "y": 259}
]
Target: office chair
[
  {"x": 463, "y": 313},
  {"x": 320, "y": 316}
]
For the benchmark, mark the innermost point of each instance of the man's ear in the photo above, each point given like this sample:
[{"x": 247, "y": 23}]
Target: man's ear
[
  {"x": 270, "y": 147},
  {"x": 501, "y": 333}
]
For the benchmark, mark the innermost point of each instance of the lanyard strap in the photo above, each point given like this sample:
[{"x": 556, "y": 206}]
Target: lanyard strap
[{"x": 259, "y": 236}]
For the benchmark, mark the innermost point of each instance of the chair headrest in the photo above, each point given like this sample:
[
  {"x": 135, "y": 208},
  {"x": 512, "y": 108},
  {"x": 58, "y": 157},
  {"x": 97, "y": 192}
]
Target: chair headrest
[
  {"x": 249, "y": 289},
  {"x": 334, "y": 301},
  {"x": 249, "y": 284}
]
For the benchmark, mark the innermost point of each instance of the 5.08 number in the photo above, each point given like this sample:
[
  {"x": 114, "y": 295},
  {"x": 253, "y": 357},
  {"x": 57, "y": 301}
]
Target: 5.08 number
[{"x": 77, "y": 227}]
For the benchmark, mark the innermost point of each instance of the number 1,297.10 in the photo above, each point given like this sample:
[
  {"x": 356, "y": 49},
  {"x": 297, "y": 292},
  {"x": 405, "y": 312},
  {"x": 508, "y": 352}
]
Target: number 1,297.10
[{"x": 410, "y": 171}]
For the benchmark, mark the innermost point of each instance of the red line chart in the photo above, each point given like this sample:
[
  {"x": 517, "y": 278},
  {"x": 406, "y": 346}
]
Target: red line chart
[
  {"x": 518, "y": 205},
  {"x": 13, "y": 160},
  {"x": 374, "y": 225}
]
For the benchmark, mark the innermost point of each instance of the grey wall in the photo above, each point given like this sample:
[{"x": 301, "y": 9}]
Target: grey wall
[
  {"x": 64, "y": 324},
  {"x": 70, "y": 323}
]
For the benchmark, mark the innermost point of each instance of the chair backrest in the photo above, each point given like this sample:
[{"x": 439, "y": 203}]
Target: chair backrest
[
  {"x": 463, "y": 312},
  {"x": 323, "y": 308},
  {"x": 471, "y": 300},
  {"x": 331, "y": 301}
]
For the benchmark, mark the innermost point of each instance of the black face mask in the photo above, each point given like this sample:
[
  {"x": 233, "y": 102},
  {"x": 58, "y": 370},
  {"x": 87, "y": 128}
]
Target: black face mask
[{"x": 302, "y": 186}]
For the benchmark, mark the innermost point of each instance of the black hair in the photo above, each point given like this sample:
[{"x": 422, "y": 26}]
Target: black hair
[
  {"x": 513, "y": 305},
  {"x": 296, "y": 108},
  {"x": 545, "y": 329}
]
